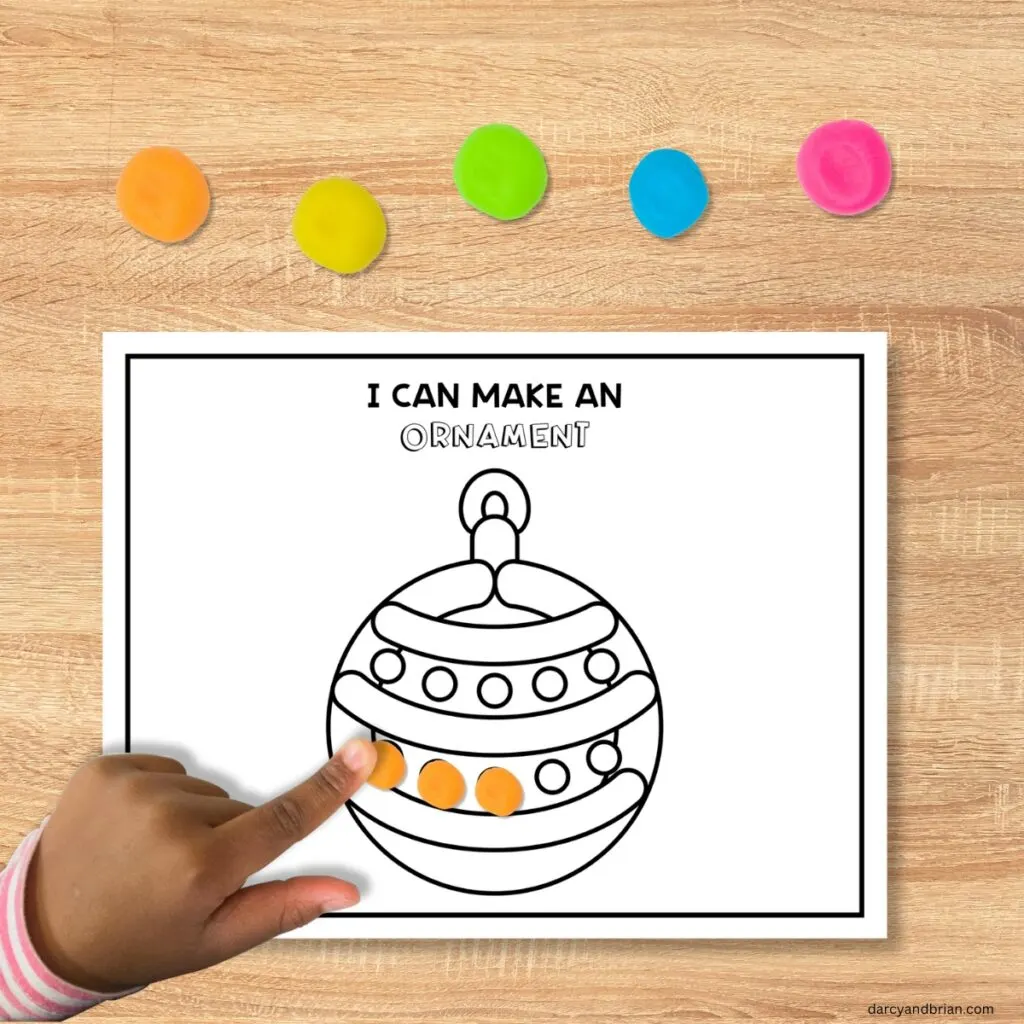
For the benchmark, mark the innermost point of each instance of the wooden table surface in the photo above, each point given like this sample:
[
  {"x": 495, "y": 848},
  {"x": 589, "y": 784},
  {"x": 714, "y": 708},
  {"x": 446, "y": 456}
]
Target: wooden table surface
[{"x": 268, "y": 95}]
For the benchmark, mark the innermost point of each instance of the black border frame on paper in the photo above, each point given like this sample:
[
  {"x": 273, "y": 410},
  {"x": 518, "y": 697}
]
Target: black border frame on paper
[{"x": 412, "y": 356}]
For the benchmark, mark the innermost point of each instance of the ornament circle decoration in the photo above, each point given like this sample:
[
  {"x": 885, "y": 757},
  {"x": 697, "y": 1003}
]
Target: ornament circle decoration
[{"x": 473, "y": 637}]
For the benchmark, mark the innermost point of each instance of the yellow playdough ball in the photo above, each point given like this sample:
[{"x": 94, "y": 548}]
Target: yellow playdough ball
[{"x": 339, "y": 225}]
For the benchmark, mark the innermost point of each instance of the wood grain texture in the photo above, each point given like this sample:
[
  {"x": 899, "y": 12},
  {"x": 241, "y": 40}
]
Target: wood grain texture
[{"x": 267, "y": 95}]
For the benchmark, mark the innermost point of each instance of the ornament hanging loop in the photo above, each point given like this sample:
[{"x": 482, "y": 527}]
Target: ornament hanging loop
[{"x": 494, "y": 509}]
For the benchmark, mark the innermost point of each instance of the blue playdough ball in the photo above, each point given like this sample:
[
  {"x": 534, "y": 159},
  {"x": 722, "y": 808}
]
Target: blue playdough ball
[{"x": 668, "y": 193}]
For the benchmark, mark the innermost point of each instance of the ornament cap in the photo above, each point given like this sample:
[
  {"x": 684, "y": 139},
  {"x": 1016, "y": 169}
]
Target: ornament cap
[{"x": 494, "y": 493}]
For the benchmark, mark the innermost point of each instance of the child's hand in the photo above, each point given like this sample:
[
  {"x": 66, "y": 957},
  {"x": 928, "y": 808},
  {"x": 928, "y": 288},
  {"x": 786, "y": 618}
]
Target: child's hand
[{"x": 138, "y": 872}]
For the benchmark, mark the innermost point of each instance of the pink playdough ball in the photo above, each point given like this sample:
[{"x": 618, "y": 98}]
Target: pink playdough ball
[{"x": 844, "y": 167}]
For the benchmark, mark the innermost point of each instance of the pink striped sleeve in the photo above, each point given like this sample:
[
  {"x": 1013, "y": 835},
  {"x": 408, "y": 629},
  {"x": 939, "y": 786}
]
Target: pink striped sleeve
[{"x": 29, "y": 990}]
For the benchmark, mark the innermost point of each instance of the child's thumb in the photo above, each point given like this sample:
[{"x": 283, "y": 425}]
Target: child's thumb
[{"x": 260, "y": 912}]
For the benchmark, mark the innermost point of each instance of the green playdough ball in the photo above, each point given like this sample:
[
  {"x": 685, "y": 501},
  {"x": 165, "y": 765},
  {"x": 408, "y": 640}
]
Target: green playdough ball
[{"x": 501, "y": 172}]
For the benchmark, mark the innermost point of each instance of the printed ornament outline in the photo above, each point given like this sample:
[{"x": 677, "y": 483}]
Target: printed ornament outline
[{"x": 488, "y": 613}]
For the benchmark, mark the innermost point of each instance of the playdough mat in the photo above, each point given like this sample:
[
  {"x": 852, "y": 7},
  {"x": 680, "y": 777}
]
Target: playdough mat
[{"x": 643, "y": 574}]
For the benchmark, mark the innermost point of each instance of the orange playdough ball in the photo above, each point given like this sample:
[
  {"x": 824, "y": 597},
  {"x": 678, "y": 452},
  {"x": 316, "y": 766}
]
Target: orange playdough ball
[
  {"x": 441, "y": 784},
  {"x": 499, "y": 791},
  {"x": 163, "y": 194},
  {"x": 389, "y": 770}
]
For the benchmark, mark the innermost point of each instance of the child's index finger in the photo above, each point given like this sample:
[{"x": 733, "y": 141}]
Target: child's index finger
[{"x": 259, "y": 836}]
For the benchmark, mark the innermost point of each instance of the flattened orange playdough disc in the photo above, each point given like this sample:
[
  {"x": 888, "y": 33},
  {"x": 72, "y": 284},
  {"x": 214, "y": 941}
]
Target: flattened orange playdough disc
[
  {"x": 499, "y": 791},
  {"x": 390, "y": 767},
  {"x": 441, "y": 784},
  {"x": 163, "y": 194}
]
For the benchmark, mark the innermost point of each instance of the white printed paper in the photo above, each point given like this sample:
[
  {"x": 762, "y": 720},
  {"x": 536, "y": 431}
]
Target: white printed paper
[{"x": 629, "y": 587}]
